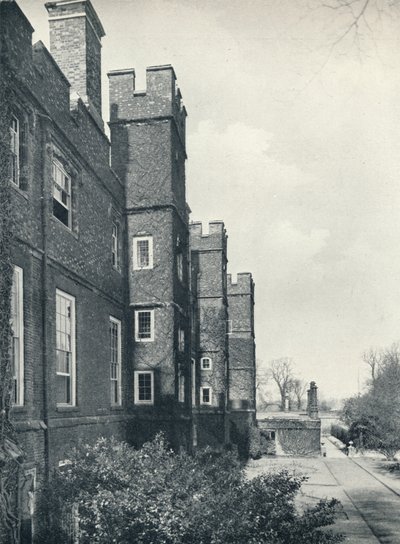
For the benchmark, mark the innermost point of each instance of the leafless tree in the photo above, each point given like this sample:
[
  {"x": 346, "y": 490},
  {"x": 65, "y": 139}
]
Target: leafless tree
[
  {"x": 282, "y": 374},
  {"x": 373, "y": 358},
  {"x": 378, "y": 359},
  {"x": 358, "y": 18},
  {"x": 299, "y": 388}
]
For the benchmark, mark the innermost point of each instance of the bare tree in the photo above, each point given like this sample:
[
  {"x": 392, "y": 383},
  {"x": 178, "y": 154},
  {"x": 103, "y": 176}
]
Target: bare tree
[
  {"x": 358, "y": 18},
  {"x": 378, "y": 359},
  {"x": 373, "y": 358},
  {"x": 282, "y": 374},
  {"x": 299, "y": 388}
]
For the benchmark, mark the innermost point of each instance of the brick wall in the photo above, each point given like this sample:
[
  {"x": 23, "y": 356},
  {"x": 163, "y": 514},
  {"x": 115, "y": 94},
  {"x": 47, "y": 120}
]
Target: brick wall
[
  {"x": 148, "y": 153},
  {"x": 242, "y": 364}
]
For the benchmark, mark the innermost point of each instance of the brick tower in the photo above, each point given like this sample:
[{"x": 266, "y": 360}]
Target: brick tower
[
  {"x": 209, "y": 262},
  {"x": 148, "y": 154},
  {"x": 242, "y": 357}
]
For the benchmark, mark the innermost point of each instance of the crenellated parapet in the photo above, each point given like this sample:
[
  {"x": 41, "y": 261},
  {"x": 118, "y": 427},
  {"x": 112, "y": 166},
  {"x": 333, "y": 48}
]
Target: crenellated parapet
[
  {"x": 215, "y": 239},
  {"x": 161, "y": 99},
  {"x": 244, "y": 284}
]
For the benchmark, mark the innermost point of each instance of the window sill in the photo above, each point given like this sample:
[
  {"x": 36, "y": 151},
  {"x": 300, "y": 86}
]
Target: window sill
[
  {"x": 61, "y": 408},
  {"x": 19, "y": 190},
  {"x": 117, "y": 407},
  {"x": 61, "y": 224},
  {"x": 18, "y": 409}
]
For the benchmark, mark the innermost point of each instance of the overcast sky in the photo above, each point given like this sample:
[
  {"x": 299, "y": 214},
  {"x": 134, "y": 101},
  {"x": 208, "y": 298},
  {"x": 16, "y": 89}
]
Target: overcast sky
[{"x": 294, "y": 141}]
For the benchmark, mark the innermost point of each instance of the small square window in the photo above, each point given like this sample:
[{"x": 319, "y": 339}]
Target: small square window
[
  {"x": 206, "y": 363},
  {"x": 142, "y": 252},
  {"x": 206, "y": 395},
  {"x": 144, "y": 387},
  {"x": 144, "y": 325}
]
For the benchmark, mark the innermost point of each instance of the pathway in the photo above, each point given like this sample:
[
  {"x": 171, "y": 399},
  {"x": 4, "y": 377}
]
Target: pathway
[{"x": 370, "y": 511}]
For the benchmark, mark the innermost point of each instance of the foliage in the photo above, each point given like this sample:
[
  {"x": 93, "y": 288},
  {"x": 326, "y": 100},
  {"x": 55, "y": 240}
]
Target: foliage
[
  {"x": 341, "y": 433},
  {"x": 374, "y": 417},
  {"x": 153, "y": 495},
  {"x": 255, "y": 451}
]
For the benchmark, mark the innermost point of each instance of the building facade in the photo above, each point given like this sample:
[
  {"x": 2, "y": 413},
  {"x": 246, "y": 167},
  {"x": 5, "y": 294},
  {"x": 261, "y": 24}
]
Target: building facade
[{"x": 123, "y": 316}]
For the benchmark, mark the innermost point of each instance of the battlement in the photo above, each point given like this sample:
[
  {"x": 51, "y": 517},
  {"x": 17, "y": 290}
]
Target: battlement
[
  {"x": 216, "y": 237},
  {"x": 162, "y": 97},
  {"x": 244, "y": 284}
]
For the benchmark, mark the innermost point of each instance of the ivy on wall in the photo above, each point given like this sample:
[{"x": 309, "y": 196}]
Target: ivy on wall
[{"x": 10, "y": 454}]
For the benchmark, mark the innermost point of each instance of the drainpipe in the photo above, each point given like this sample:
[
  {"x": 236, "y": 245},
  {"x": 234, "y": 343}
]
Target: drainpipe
[{"x": 45, "y": 141}]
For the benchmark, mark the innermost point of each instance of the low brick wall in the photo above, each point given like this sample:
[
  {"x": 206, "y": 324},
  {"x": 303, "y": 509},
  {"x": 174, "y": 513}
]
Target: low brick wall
[{"x": 293, "y": 436}]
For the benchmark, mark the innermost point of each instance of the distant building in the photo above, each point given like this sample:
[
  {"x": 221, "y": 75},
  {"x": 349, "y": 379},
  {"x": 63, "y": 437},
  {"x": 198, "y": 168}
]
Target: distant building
[{"x": 124, "y": 319}]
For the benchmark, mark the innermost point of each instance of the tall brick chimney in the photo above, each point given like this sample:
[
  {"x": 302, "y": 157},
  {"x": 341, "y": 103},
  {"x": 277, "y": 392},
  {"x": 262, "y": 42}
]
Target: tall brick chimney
[
  {"x": 312, "y": 398},
  {"x": 75, "y": 43}
]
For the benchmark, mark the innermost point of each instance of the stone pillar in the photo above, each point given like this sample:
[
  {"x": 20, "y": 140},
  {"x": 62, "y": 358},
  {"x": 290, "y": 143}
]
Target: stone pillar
[
  {"x": 312, "y": 398},
  {"x": 287, "y": 403}
]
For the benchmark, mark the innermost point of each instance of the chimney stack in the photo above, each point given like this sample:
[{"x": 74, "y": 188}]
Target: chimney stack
[
  {"x": 75, "y": 43},
  {"x": 312, "y": 404}
]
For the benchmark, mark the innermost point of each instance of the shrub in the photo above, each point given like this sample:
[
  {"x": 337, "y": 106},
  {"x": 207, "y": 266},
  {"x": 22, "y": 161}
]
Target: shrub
[
  {"x": 153, "y": 495},
  {"x": 255, "y": 451},
  {"x": 340, "y": 432}
]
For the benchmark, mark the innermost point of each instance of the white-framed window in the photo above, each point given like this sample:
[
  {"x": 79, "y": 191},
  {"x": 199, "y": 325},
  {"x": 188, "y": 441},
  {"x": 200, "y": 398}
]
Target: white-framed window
[
  {"x": 181, "y": 387},
  {"x": 179, "y": 266},
  {"x": 17, "y": 341},
  {"x": 206, "y": 363},
  {"x": 229, "y": 329},
  {"x": 142, "y": 252},
  {"x": 193, "y": 382},
  {"x": 14, "y": 147},
  {"x": 115, "y": 235},
  {"x": 65, "y": 349},
  {"x": 144, "y": 325},
  {"x": 181, "y": 340},
  {"x": 61, "y": 194},
  {"x": 115, "y": 361},
  {"x": 144, "y": 387},
  {"x": 205, "y": 395}
]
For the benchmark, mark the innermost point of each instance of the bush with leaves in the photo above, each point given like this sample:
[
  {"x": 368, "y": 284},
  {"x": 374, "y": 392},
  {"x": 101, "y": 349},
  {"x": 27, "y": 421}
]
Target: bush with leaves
[
  {"x": 155, "y": 496},
  {"x": 374, "y": 417},
  {"x": 341, "y": 433}
]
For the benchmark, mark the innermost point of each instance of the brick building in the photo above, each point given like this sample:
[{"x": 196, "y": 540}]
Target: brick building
[{"x": 122, "y": 309}]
